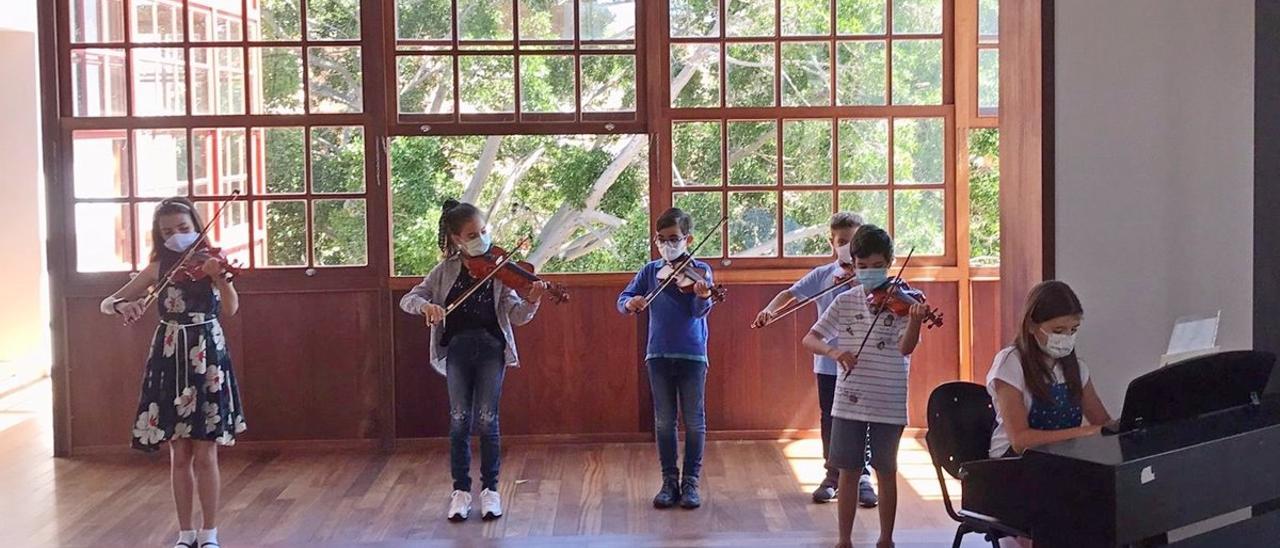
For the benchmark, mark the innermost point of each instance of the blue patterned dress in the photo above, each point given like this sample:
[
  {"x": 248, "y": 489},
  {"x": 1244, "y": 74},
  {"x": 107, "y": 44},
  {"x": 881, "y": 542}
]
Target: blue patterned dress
[{"x": 189, "y": 390}]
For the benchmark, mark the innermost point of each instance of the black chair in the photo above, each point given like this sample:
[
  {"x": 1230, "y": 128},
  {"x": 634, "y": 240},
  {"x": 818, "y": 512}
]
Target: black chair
[{"x": 961, "y": 419}]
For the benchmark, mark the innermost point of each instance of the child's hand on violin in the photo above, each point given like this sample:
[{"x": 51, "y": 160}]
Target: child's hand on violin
[
  {"x": 702, "y": 290},
  {"x": 919, "y": 312},
  {"x": 131, "y": 311},
  {"x": 434, "y": 313},
  {"x": 636, "y": 304},
  {"x": 847, "y": 360},
  {"x": 214, "y": 269},
  {"x": 536, "y": 291},
  {"x": 762, "y": 318}
]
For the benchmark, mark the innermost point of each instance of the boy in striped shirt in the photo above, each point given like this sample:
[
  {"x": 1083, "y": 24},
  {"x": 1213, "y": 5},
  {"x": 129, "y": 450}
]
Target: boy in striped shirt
[{"x": 871, "y": 393}]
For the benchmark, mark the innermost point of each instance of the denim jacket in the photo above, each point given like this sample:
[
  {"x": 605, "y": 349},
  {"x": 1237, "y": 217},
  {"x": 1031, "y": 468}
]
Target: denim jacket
[{"x": 512, "y": 310}]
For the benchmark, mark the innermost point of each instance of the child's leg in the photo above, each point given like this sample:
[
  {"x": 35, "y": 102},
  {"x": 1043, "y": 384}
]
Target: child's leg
[
  {"x": 826, "y": 396},
  {"x": 208, "y": 480},
  {"x": 460, "y": 377},
  {"x": 848, "y": 439},
  {"x": 488, "y": 391},
  {"x": 692, "y": 391},
  {"x": 663, "y": 387},
  {"x": 847, "y": 507},
  {"x": 183, "y": 480},
  {"x": 884, "y": 458}
]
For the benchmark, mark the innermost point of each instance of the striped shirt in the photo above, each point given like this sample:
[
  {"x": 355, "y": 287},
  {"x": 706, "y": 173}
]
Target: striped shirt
[{"x": 876, "y": 390}]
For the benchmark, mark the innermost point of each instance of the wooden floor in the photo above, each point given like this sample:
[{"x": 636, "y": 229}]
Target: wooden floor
[{"x": 556, "y": 495}]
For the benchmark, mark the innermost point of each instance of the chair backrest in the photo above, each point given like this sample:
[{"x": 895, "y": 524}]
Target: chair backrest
[{"x": 961, "y": 419}]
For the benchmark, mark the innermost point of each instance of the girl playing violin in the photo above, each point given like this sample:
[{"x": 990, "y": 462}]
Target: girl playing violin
[
  {"x": 190, "y": 398},
  {"x": 871, "y": 397},
  {"x": 471, "y": 349}
]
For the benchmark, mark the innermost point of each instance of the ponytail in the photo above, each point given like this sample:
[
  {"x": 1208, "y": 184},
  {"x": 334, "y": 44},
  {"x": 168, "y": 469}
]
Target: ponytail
[{"x": 453, "y": 215}]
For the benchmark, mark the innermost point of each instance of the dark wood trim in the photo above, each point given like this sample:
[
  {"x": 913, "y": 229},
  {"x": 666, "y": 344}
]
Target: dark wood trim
[{"x": 1266, "y": 175}]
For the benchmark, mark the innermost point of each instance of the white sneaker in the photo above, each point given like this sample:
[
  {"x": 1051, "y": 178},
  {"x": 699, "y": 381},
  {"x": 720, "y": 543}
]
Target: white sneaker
[
  {"x": 459, "y": 506},
  {"x": 490, "y": 505}
]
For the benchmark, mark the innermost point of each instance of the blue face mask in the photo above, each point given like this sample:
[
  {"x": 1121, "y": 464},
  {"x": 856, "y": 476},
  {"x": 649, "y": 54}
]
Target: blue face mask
[
  {"x": 871, "y": 278},
  {"x": 478, "y": 246}
]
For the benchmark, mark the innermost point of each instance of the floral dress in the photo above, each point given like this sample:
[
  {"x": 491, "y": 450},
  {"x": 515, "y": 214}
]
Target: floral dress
[{"x": 189, "y": 390}]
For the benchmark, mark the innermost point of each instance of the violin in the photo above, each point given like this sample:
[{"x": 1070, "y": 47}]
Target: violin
[
  {"x": 897, "y": 297},
  {"x": 192, "y": 270},
  {"x": 518, "y": 275},
  {"x": 686, "y": 278}
]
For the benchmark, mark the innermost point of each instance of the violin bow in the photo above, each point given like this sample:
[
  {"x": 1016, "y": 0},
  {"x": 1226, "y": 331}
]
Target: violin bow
[
  {"x": 688, "y": 260},
  {"x": 497, "y": 265},
  {"x": 167, "y": 280},
  {"x": 875, "y": 320},
  {"x": 804, "y": 302}
]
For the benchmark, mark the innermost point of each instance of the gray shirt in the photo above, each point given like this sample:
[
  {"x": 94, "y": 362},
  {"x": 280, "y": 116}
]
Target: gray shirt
[{"x": 511, "y": 309}]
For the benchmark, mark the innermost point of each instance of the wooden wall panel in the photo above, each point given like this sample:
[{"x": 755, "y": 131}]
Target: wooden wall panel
[
  {"x": 937, "y": 358},
  {"x": 987, "y": 337}
]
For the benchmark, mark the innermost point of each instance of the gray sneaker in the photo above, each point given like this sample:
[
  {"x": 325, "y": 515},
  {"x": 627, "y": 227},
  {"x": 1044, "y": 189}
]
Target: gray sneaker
[
  {"x": 826, "y": 492},
  {"x": 866, "y": 494}
]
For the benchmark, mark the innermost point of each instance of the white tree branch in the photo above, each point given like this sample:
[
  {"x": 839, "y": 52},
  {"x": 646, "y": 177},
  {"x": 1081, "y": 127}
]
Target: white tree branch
[
  {"x": 767, "y": 247},
  {"x": 484, "y": 167}
]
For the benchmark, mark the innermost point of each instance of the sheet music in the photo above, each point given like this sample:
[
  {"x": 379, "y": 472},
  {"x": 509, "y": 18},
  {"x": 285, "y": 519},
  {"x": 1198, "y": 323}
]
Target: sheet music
[{"x": 1194, "y": 333}]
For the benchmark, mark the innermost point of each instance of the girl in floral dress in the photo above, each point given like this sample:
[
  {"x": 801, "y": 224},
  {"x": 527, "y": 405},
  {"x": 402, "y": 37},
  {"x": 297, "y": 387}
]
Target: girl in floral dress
[{"x": 190, "y": 398}]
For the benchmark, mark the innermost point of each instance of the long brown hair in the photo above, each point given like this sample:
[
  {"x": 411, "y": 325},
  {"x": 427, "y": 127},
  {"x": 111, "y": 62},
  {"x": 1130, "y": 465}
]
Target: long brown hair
[
  {"x": 171, "y": 206},
  {"x": 453, "y": 215},
  {"x": 1047, "y": 300}
]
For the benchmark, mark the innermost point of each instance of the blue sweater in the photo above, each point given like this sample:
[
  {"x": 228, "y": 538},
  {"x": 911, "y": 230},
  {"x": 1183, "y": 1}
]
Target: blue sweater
[{"x": 677, "y": 321}]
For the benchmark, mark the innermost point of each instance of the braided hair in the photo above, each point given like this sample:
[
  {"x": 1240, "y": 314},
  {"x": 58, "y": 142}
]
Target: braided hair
[{"x": 452, "y": 217}]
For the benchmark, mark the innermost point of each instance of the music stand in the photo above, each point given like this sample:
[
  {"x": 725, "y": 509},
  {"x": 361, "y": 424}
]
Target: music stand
[{"x": 1196, "y": 386}]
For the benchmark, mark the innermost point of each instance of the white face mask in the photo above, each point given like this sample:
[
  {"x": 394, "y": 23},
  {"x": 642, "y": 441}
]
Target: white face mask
[
  {"x": 479, "y": 245},
  {"x": 1058, "y": 345},
  {"x": 181, "y": 241},
  {"x": 843, "y": 254},
  {"x": 671, "y": 251}
]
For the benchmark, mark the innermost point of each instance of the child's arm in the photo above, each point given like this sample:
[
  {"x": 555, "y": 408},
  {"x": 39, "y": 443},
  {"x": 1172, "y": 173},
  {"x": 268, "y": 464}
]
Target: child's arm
[
  {"x": 911, "y": 337},
  {"x": 1021, "y": 435},
  {"x": 828, "y": 325},
  {"x": 783, "y": 299},
  {"x": 1094, "y": 410},
  {"x": 631, "y": 300},
  {"x": 519, "y": 310},
  {"x": 420, "y": 301},
  {"x": 702, "y": 290},
  {"x": 130, "y": 293}
]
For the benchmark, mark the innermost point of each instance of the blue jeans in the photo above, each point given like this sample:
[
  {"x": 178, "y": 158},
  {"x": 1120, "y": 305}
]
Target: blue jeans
[
  {"x": 675, "y": 380},
  {"x": 474, "y": 372}
]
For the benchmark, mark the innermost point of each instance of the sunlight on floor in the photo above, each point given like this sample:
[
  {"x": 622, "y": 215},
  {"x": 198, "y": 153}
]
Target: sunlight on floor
[
  {"x": 28, "y": 403},
  {"x": 914, "y": 465}
]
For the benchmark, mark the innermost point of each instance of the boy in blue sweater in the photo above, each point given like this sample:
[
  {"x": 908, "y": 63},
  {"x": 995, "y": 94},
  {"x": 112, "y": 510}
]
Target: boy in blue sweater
[{"x": 676, "y": 358}]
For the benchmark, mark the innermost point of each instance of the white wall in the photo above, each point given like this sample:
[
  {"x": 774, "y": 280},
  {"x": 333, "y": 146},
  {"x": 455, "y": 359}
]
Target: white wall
[{"x": 1154, "y": 174}]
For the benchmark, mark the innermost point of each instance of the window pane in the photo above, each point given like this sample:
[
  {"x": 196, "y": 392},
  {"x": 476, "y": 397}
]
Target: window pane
[
  {"x": 753, "y": 224},
  {"x": 98, "y": 82},
  {"x": 337, "y": 160},
  {"x": 984, "y": 197},
  {"x": 917, "y": 150},
  {"x": 988, "y": 81},
  {"x": 218, "y": 161},
  {"x": 282, "y": 168},
  {"x": 102, "y": 238},
  {"x": 585, "y": 197},
  {"x": 97, "y": 21},
  {"x": 101, "y": 167},
  {"x": 340, "y": 238},
  {"x": 488, "y": 84},
  {"x": 696, "y": 150},
  {"x": 917, "y": 16},
  {"x": 425, "y": 84},
  {"x": 281, "y": 233},
  {"x": 862, "y": 73},
  {"x": 217, "y": 81},
  {"x": 860, "y": 16},
  {"x": 706, "y": 210},
  {"x": 806, "y": 69},
  {"x": 864, "y": 152},
  {"x": 278, "y": 72},
  {"x": 144, "y": 216},
  {"x": 750, "y": 18},
  {"x": 917, "y": 72},
  {"x": 160, "y": 162},
  {"x": 608, "y": 83},
  {"x": 753, "y": 153},
  {"x": 695, "y": 75},
  {"x": 539, "y": 19},
  {"x": 750, "y": 75},
  {"x": 159, "y": 82},
  {"x": 694, "y": 17},
  {"x": 806, "y": 17},
  {"x": 804, "y": 220},
  {"x": 546, "y": 83},
  {"x": 919, "y": 221},
  {"x": 873, "y": 205},
  {"x": 232, "y": 230},
  {"x": 333, "y": 19},
  {"x": 484, "y": 19},
  {"x": 157, "y": 21},
  {"x": 988, "y": 21},
  {"x": 806, "y": 152},
  {"x": 222, "y": 24},
  {"x": 335, "y": 79},
  {"x": 607, "y": 19},
  {"x": 281, "y": 20}
]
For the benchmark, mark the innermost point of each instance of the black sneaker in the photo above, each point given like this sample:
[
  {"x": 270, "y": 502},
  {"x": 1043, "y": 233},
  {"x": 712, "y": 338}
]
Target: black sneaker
[
  {"x": 689, "y": 497},
  {"x": 826, "y": 492},
  {"x": 669, "y": 495},
  {"x": 866, "y": 494}
]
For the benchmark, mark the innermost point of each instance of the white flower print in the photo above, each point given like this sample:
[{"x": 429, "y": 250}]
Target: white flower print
[
  {"x": 219, "y": 339},
  {"x": 147, "y": 429},
  {"x": 226, "y": 439},
  {"x": 181, "y": 430},
  {"x": 211, "y": 416},
  {"x": 186, "y": 402},
  {"x": 240, "y": 425},
  {"x": 197, "y": 356},
  {"x": 173, "y": 301},
  {"x": 170, "y": 339},
  {"x": 213, "y": 379}
]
